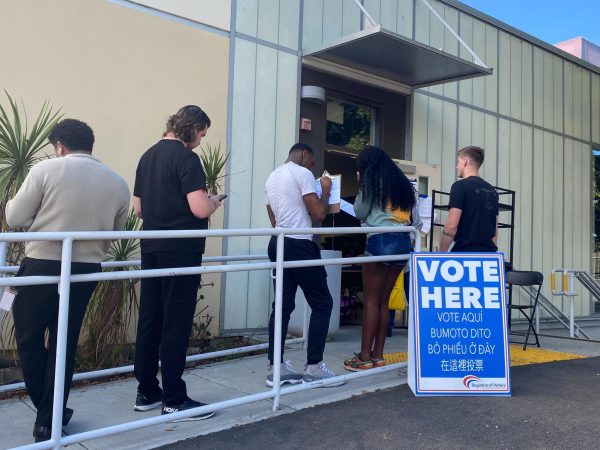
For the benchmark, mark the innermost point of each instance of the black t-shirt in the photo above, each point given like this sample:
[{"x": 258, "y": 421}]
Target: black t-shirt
[
  {"x": 478, "y": 201},
  {"x": 166, "y": 173}
]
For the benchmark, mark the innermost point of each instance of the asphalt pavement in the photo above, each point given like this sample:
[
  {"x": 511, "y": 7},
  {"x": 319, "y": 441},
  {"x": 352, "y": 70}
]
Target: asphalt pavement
[{"x": 553, "y": 405}]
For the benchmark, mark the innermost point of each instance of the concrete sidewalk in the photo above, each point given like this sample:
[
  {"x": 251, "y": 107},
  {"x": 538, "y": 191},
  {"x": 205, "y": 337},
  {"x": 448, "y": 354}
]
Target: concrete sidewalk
[{"x": 111, "y": 403}]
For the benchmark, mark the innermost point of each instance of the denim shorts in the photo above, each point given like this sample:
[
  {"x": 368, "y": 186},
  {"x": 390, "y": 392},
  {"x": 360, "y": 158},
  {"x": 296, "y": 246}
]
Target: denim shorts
[{"x": 383, "y": 244}]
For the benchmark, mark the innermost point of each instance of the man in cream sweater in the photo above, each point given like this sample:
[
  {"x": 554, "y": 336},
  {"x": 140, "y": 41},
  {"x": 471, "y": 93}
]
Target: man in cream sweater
[{"x": 73, "y": 192}]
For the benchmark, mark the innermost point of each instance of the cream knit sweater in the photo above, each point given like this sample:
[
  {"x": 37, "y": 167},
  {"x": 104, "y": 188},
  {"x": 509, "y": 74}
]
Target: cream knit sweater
[{"x": 72, "y": 193}]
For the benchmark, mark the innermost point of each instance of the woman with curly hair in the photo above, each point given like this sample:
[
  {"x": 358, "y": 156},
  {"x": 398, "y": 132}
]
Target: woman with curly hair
[{"x": 385, "y": 198}]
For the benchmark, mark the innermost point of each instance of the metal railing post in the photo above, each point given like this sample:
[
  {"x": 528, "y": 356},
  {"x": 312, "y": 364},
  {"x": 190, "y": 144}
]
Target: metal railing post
[
  {"x": 61, "y": 340},
  {"x": 3, "y": 250},
  {"x": 278, "y": 319},
  {"x": 571, "y": 294}
]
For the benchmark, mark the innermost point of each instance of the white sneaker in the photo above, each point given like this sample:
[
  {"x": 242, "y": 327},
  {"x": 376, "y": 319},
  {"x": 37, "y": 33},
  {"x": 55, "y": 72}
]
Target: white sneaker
[
  {"x": 319, "y": 372},
  {"x": 287, "y": 374}
]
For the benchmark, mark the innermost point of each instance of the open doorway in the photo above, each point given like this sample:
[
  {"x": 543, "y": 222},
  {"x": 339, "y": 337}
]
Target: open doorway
[{"x": 350, "y": 116}]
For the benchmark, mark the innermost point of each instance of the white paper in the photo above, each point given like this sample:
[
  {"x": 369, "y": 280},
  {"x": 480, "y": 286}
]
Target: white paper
[
  {"x": 336, "y": 189},
  {"x": 7, "y": 299},
  {"x": 347, "y": 207},
  {"x": 425, "y": 206}
]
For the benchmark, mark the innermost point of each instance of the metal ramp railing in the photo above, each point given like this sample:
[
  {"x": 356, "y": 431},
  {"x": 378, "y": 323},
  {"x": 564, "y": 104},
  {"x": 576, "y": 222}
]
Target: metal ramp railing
[
  {"x": 568, "y": 277},
  {"x": 589, "y": 283},
  {"x": 562, "y": 318}
]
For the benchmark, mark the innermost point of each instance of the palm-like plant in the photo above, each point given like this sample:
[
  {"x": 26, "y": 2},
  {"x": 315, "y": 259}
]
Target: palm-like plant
[
  {"x": 213, "y": 162},
  {"x": 19, "y": 146},
  {"x": 111, "y": 308},
  {"x": 20, "y": 149}
]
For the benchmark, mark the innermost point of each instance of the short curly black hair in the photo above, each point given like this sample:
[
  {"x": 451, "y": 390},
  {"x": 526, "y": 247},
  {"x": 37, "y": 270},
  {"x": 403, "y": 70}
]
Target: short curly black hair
[{"x": 75, "y": 135}]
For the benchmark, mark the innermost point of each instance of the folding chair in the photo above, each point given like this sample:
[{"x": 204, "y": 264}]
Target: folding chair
[{"x": 526, "y": 278}]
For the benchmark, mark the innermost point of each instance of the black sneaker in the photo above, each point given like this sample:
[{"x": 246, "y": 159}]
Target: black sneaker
[
  {"x": 145, "y": 402},
  {"x": 188, "y": 403},
  {"x": 67, "y": 414}
]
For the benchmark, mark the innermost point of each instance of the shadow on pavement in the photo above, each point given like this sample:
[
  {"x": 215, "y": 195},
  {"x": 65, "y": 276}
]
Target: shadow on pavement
[{"x": 554, "y": 405}]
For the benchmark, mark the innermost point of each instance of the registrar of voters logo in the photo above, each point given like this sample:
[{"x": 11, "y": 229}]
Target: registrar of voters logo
[
  {"x": 470, "y": 379},
  {"x": 458, "y": 324},
  {"x": 473, "y": 382}
]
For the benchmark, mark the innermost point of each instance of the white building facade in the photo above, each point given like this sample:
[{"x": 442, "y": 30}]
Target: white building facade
[{"x": 421, "y": 94}]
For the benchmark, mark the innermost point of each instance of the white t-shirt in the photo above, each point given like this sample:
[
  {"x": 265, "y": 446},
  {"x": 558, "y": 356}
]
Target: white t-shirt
[{"x": 285, "y": 188}]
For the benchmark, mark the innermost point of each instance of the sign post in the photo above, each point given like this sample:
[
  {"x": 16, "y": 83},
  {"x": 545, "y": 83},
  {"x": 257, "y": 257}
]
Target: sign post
[{"x": 458, "y": 339}]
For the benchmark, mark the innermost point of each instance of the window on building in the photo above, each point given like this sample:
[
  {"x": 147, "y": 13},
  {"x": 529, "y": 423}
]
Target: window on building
[{"x": 350, "y": 126}]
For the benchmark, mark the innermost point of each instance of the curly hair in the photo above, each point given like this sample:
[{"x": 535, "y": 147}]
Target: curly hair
[
  {"x": 74, "y": 134},
  {"x": 186, "y": 122},
  {"x": 382, "y": 183}
]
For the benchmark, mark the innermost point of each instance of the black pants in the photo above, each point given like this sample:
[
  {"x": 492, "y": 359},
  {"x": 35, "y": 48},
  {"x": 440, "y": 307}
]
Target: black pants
[
  {"x": 313, "y": 282},
  {"x": 167, "y": 308},
  {"x": 35, "y": 311}
]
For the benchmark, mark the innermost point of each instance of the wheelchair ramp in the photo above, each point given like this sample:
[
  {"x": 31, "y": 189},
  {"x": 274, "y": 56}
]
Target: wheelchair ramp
[
  {"x": 555, "y": 312},
  {"x": 590, "y": 284}
]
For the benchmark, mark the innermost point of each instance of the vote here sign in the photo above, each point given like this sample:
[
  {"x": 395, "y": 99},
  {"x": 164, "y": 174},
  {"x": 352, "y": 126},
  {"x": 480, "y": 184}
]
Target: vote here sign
[{"x": 458, "y": 341}]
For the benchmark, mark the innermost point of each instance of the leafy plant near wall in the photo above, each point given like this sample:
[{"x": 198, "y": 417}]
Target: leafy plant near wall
[
  {"x": 20, "y": 149},
  {"x": 111, "y": 309},
  {"x": 213, "y": 162}
]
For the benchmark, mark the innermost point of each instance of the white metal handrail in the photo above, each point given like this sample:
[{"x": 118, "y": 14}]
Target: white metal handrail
[
  {"x": 138, "y": 262},
  {"x": 67, "y": 238}
]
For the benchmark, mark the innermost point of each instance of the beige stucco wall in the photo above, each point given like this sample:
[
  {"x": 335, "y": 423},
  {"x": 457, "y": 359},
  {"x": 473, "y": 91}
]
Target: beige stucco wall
[{"x": 120, "y": 70}]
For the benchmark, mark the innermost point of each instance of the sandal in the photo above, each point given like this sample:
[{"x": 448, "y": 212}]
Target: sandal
[
  {"x": 378, "y": 362},
  {"x": 355, "y": 364}
]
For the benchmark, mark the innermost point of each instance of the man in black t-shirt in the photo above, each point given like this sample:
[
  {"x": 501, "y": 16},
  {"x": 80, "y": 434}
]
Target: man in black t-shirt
[
  {"x": 472, "y": 222},
  {"x": 170, "y": 194}
]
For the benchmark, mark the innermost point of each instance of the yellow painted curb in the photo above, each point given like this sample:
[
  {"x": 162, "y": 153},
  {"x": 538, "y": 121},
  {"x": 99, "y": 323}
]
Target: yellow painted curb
[{"x": 518, "y": 357}]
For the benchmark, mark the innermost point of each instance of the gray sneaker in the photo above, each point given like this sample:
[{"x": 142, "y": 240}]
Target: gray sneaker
[
  {"x": 317, "y": 372},
  {"x": 287, "y": 374}
]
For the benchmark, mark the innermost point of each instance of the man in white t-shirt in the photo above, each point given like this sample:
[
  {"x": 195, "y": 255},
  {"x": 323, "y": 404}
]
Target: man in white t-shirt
[{"x": 291, "y": 203}]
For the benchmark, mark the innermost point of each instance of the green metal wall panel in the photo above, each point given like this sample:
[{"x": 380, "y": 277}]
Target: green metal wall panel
[
  {"x": 289, "y": 23},
  {"x": 491, "y": 59},
  {"x": 333, "y": 20},
  {"x": 268, "y": 21},
  {"x": 312, "y": 23},
  {"x": 504, "y": 74},
  {"x": 264, "y": 118},
  {"x": 526, "y": 82},
  {"x": 595, "y": 108},
  {"x": 420, "y": 108},
  {"x": 586, "y": 93},
  {"x": 448, "y": 161},
  {"x": 242, "y": 146},
  {"x": 389, "y": 14},
  {"x": 247, "y": 17}
]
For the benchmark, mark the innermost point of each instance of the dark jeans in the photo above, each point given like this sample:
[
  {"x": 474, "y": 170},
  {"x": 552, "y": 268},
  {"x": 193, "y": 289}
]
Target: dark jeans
[
  {"x": 313, "y": 282},
  {"x": 167, "y": 307},
  {"x": 384, "y": 244},
  {"x": 35, "y": 311}
]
